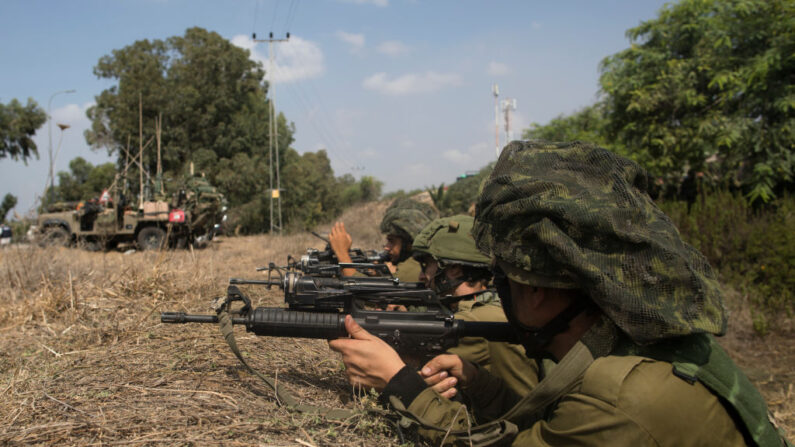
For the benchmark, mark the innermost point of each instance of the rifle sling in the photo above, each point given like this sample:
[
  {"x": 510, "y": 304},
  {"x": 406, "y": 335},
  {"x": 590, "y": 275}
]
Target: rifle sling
[{"x": 283, "y": 397}]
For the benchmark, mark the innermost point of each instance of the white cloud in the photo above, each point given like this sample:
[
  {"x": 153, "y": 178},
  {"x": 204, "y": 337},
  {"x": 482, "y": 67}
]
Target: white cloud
[
  {"x": 356, "y": 41},
  {"x": 294, "y": 60},
  {"x": 380, "y": 3},
  {"x": 410, "y": 83},
  {"x": 535, "y": 25},
  {"x": 393, "y": 48},
  {"x": 408, "y": 144},
  {"x": 498, "y": 69},
  {"x": 369, "y": 153},
  {"x": 420, "y": 170},
  {"x": 457, "y": 156},
  {"x": 477, "y": 154}
]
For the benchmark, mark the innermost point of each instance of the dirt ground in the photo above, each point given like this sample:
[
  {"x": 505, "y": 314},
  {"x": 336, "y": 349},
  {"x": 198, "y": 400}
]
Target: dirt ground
[{"x": 84, "y": 359}]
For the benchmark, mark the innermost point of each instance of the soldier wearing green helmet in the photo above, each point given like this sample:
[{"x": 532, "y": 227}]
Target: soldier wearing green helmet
[
  {"x": 593, "y": 275},
  {"x": 452, "y": 266}
]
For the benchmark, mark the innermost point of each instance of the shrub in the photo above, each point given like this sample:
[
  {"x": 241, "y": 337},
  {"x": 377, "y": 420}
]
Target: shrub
[{"x": 752, "y": 250}]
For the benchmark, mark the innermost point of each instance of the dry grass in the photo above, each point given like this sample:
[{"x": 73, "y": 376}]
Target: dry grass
[{"x": 84, "y": 359}]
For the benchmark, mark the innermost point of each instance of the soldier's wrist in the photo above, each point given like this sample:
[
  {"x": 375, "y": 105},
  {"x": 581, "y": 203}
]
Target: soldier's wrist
[{"x": 406, "y": 385}]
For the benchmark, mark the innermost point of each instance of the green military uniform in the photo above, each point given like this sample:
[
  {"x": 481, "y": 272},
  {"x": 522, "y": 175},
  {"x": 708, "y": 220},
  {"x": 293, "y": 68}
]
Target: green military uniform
[
  {"x": 503, "y": 360},
  {"x": 408, "y": 271},
  {"x": 648, "y": 371},
  {"x": 618, "y": 400}
]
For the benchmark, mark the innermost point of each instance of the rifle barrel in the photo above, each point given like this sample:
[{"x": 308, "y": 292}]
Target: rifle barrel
[
  {"x": 262, "y": 282},
  {"x": 182, "y": 317}
]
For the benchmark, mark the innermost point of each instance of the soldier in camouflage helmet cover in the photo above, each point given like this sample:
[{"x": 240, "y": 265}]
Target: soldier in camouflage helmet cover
[
  {"x": 592, "y": 274},
  {"x": 402, "y": 222}
]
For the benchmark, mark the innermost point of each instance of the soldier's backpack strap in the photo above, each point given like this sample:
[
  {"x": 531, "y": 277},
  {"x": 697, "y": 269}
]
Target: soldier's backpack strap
[
  {"x": 282, "y": 395},
  {"x": 562, "y": 378},
  {"x": 701, "y": 358}
]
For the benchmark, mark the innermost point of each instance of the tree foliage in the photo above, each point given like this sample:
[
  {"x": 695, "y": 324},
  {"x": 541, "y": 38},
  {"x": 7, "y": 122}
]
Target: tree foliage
[
  {"x": 83, "y": 181},
  {"x": 18, "y": 124},
  {"x": 587, "y": 124},
  {"x": 709, "y": 77},
  {"x": 9, "y": 202},
  {"x": 214, "y": 106},
  {"x": 459, "y": 197}
]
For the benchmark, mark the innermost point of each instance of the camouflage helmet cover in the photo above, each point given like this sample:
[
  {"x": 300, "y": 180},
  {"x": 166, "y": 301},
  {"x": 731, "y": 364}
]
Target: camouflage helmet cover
[
  {"x": 449, "y": 240},
  {"x": 407, "y": 217},
  {"x": 579, "y": 215}
]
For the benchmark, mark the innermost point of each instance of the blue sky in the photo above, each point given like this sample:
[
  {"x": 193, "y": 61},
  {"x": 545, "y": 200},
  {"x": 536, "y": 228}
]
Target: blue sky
[{"x": 397, "y": 89}]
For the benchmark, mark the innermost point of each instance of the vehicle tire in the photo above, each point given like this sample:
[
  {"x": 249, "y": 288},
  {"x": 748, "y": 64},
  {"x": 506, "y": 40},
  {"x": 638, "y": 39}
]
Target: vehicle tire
[
  {"x": 56, "y": 237},
  {"x": 89, "y": 244},
  {"x": 151, "y": 238}
]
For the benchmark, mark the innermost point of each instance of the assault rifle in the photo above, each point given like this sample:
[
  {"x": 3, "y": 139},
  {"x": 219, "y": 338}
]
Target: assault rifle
[
  {"x": 325, "y": 262},
  {"x": 317, "y": 307}
]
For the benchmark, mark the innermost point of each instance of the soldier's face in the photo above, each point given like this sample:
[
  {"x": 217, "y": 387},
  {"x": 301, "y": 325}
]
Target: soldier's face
[
  {"x": 428, "y": 270},
  {"x": 393, "y": 245},
  {"x": 536, "y": 306}
]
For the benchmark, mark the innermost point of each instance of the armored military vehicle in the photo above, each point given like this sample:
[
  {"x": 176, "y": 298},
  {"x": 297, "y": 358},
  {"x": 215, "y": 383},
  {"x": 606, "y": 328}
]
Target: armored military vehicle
[{"x": 193, "y": 216}]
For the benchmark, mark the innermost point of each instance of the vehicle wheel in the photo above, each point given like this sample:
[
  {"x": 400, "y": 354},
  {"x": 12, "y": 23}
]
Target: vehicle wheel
[
  {"x": 151, "y": 238},
  {"x": 89, "y": 244},
  {"x": 55, "y": 237}
]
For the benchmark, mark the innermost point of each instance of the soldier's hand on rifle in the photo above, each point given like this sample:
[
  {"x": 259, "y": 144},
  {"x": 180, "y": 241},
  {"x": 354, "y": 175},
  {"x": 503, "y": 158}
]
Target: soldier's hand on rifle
[
  {"x": 445, "y": 371},
  {"x": 369, "y": 361}
]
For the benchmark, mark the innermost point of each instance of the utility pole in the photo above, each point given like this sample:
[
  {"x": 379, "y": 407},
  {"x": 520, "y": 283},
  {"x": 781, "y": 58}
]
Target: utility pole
[
  {"x": 49, "y": 147},
  {"x": 273, "y": 131},
  {"x": 508, "y": 105},
  {"x": 495, "y": 89}
]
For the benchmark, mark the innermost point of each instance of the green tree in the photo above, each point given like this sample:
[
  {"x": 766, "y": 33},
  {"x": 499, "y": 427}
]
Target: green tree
[
  {"x": 587, "y": 124},
  {"x": 18, "y": 124},
  {"x": 212, "y": 98},
  {"x": 84, "y": 180},
  {"x": 458, "y": 197},
  {"x": 9, "y": 202},
  {"x": 709, "y": 77},
  {"x": 311, "y": 194}
]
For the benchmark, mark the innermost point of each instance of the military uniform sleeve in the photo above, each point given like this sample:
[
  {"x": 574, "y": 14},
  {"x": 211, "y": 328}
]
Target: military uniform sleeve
[
  {"x": 473, "y": 349},
  {"x": 501, "y": 359},
  {"x": 408, "y": 270}
]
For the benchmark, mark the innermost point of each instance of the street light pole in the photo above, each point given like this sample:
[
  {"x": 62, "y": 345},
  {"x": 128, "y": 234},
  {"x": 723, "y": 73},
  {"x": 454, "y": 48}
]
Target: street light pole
[{"x": 49, "y": 137}]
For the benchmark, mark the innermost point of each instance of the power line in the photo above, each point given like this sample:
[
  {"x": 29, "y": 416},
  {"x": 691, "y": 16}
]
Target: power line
[
  {"x": 256, "y": 13},
  {"x": 313, "y": 91},
  {"x": 330, "y": 141},
  {"x": 275, "y": 11},
  {"x": 291, "y": 14}
]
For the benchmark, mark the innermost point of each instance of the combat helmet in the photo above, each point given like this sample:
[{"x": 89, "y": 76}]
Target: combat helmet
[
  {"x": 449, "y": 241},
  {"x": 406, "y": 218},
  {"x": 576, "y": 216}
]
